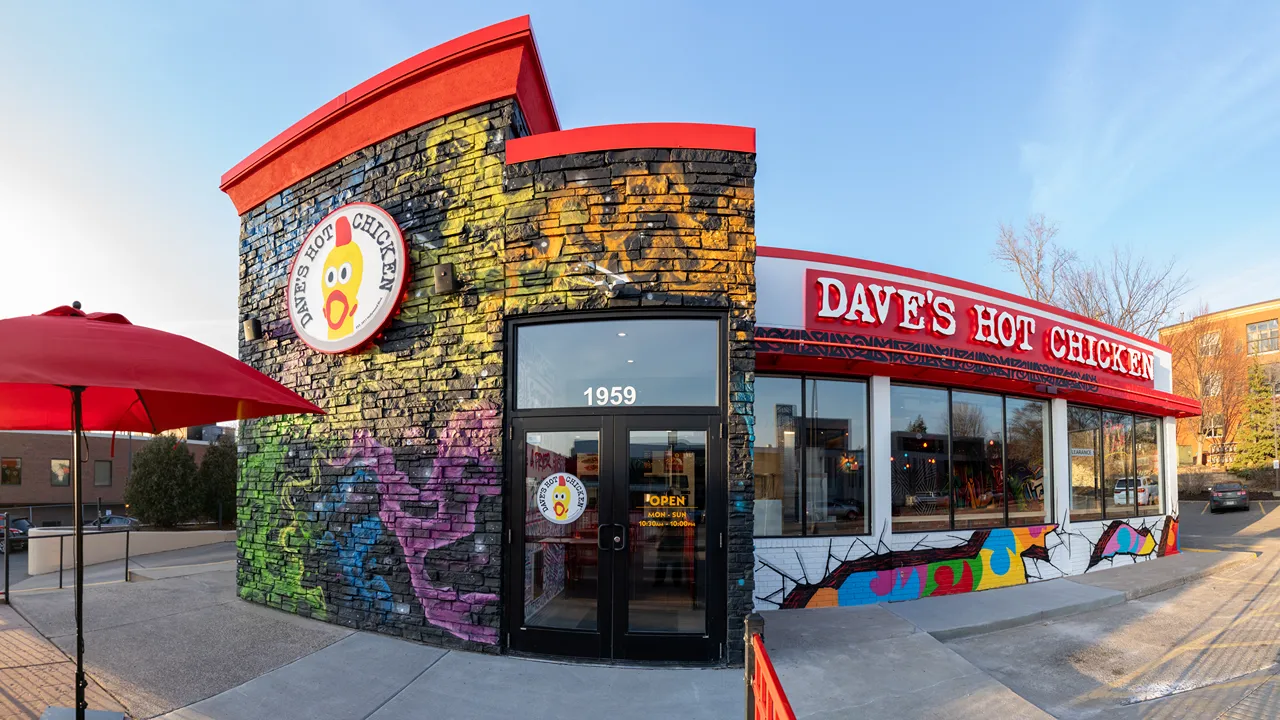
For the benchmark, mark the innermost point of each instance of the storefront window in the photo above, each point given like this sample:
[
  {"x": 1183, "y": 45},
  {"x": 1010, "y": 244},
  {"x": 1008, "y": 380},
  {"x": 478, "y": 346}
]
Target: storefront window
[
  {"x": 994, "y": 450},
  {"x": 1083, "y": 441},
  {"x": 816, "y": 429},
  {"x": 618, "y": 363},
  {"x": 777, "y": 458},
  {"x": 921, "y": 418},
  {"x": 836, "y": 485},
  {"x": 1146, "y": 436},
  {"x": 977, "y": 459},
  {"x": 1115, "y": 464},
  {"x": 1026, "y": 459}
]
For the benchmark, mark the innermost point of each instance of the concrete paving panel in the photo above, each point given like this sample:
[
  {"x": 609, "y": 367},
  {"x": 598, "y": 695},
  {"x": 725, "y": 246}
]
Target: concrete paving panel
[
  {"x": 953, "y": 616},
  {"x": 912, "y": 676},
  {"x": 348, "y": 679},
  {"x": 484, "y": 687},
  {"x": 819, "y": 629},
  {"x": 53, "y": 612}
]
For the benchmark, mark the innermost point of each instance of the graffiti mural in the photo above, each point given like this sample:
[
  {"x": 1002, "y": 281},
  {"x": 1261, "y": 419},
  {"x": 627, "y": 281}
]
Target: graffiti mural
[
  {"x": 1122, "y": 539},
  {"x": 387, "y": 511},
  {"x": 989, "y": 559},
  {"x": 853, "y": 571}
]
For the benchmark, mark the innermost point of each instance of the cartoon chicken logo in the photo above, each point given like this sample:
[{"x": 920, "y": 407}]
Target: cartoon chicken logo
[
  {"x": 560, "y": 496},
  {"x": 342, "y": 272}
]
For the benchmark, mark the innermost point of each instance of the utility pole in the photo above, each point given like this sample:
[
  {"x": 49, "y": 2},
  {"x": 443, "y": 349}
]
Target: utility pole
[{"x": 1275, "y": 439}]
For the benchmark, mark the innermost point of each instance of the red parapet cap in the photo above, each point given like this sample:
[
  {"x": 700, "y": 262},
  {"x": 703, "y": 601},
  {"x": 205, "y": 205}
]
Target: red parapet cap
[
  {"x": 633, "y": 136},
  {"x": 494, "y": 63}
]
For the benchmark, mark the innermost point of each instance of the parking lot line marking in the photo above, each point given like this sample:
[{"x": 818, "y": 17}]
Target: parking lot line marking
[{"x": 1206, "y": 509}]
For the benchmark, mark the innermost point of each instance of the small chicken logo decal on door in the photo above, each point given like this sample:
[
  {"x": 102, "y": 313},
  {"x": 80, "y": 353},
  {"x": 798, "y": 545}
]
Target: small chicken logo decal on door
[
  {"x": 561, "y": 498},
  {"x": 343, "y": 271}
]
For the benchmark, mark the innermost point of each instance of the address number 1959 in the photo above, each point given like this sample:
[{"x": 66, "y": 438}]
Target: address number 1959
[{"x": 616, "y": 395}]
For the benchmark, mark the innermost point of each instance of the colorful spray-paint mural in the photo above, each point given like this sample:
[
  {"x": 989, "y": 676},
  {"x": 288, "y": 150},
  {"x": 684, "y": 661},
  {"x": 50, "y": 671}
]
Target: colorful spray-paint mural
[
  {"x": 854, "y": 572},
  {"x": 386, "y": 512}
]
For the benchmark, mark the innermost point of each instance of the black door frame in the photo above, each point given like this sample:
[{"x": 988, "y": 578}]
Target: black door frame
[{"x": 612, "y": 423}]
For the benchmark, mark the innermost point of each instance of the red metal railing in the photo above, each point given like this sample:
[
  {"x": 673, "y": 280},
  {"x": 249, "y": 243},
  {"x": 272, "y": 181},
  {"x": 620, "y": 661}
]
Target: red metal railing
[{"x": 770, "y": 701}]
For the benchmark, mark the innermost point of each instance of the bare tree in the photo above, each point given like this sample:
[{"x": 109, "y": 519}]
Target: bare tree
[
  {"x": 1210, "y": 364},
  {"x": 1034, "y": 256},
  {"x": 1129, "y": 292}
]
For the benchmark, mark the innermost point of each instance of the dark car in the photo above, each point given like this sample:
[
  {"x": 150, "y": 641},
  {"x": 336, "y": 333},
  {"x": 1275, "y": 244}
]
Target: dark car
[
  {"x": 18, "y": 535},
  {"x": 1228, "y": 495},
  {"x": 112, "y": 522}
]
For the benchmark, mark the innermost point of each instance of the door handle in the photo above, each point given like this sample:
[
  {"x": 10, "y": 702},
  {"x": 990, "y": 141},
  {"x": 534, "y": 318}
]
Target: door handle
[{"x": 616, "y": 535}]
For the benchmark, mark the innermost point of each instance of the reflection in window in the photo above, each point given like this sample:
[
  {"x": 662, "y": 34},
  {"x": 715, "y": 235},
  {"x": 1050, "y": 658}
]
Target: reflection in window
[
  {"x": 618, "y": 363},
  {"x": 836, "y": 487},
  {"x": 1115, "y": 464},
  {"x": 101, "y": 473},
  {"x": 1146, "y": 438},
  {"x": 1083, "y": 428},
  {"x": 918, "y": 460},
  {"x": 977, "y": 459},
  {"x": 818, "y": 429},
  {"x": 967, "y": 460},
  {"x": 1026, "y": 459},
  {"x": 777, "y": 459}
]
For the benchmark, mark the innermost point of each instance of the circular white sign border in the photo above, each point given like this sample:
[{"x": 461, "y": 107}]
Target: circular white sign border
[
  {"x": 579, "y": 489},
  {"x": 356, "y": 340}
]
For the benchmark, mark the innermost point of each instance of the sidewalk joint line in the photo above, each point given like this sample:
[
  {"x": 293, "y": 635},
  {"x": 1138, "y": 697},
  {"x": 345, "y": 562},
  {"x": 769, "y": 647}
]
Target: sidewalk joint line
[{"x": 400, "y": 692}]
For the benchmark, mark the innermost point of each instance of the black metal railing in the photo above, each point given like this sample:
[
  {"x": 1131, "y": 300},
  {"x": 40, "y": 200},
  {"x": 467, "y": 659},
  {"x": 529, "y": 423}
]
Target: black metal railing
[
  {"x": 97, "y": 531},
  {"x": 7, "y": 548}
]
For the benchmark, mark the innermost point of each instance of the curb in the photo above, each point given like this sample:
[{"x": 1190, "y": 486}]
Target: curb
[
  {"x": 1246, "y": 557},
  {"x": 1115, "y": 597}
]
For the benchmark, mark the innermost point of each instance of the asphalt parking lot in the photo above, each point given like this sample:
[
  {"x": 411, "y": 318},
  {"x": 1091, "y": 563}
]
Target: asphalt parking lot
[{"x": 1227, "y": 529}]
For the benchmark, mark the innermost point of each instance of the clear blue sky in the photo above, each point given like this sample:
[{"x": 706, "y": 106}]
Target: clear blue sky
[{"x": 898, "y": 132}]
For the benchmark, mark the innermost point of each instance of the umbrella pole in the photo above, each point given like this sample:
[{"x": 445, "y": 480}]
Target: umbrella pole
[{"x": 77, "y": 424}]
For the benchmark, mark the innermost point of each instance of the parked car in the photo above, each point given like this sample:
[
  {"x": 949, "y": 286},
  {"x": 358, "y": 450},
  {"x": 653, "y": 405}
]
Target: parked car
[
  {"x": 18, "y": 535},
  {"x": 114, "y": 521},
  {"x": 847, "y": 509},
  {"x": 1228, "y": 495},
  {"x": 1140, "y": 491}
]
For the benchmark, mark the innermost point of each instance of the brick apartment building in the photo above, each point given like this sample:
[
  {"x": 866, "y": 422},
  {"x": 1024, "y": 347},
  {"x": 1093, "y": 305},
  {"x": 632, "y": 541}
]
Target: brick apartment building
[
  {"x": 1236, "y": 338},
  {"x": 35, "y": 472}
]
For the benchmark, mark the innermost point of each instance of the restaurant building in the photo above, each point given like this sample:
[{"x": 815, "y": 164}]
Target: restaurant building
[{"x": 574, "y": 410}]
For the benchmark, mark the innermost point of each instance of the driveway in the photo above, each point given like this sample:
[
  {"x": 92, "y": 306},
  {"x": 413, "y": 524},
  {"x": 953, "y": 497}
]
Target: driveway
[{"x": 1204, "y": 650}]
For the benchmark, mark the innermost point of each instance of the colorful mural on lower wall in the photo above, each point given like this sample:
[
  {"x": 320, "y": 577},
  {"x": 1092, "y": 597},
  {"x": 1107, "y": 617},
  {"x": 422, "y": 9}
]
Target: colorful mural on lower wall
[
  {"x": 359, "y": 531},
  {"x": 854, "y": 572}
]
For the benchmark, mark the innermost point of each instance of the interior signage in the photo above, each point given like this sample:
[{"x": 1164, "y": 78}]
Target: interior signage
[
  {"x": 665, "y": 510},
  {"x": 347, "y": 278},
  {"x": 847, "y": 302}
]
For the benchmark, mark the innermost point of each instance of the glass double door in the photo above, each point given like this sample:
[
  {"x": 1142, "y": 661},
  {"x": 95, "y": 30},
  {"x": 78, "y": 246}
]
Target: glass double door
[{"x": 617, "y": 537}]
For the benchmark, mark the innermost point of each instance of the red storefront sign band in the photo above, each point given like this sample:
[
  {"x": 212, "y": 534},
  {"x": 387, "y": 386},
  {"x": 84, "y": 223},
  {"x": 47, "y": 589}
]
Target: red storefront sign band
[{"x": 881, "y": 308}]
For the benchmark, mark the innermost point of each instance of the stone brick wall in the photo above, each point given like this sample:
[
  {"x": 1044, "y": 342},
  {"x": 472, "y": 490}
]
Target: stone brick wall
[
  {"x": 651, "y": 228},
  {"x": 386, "y": 513}
]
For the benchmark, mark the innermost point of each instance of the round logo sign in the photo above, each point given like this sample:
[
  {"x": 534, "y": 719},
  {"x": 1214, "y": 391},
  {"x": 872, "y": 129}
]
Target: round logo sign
[
  {"x": 561, "y": 498},
  {"x": 347, "y": 278}
]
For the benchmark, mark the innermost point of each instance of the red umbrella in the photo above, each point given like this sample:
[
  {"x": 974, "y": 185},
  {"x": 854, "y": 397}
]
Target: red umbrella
[{"x": 65, "y": 370}]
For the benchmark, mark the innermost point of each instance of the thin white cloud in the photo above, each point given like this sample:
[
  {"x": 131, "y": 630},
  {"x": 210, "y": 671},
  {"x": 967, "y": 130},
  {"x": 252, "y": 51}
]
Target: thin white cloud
[{"x": 1129, "y": 105}]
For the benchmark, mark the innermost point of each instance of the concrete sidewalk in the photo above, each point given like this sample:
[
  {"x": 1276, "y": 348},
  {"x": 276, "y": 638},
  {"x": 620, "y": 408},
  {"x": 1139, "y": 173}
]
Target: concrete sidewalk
[
  {"x": 379, "y": 678},
  {"x": 171, "y": 563},
  {"x": 905, "y": 669}
]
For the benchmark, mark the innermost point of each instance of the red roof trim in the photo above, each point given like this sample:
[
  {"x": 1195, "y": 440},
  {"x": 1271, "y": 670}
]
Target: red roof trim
[
  {"x": 811, "y": 256},
  {"x": 632, "y": 136},
  {"x": 527, "y": 84}
]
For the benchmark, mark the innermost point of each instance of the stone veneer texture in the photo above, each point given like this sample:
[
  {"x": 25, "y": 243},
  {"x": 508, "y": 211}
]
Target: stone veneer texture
[{"x": 386, "y": 513}]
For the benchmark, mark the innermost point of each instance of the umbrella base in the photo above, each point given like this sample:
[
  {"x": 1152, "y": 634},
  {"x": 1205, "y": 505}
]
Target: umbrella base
[{"x": 62, "y": 713}]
